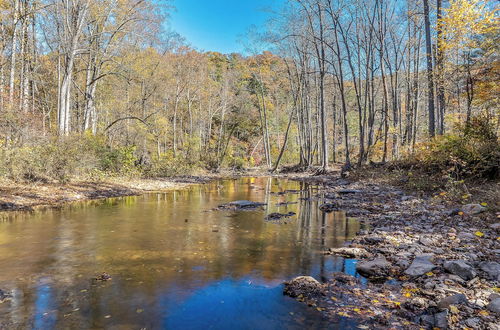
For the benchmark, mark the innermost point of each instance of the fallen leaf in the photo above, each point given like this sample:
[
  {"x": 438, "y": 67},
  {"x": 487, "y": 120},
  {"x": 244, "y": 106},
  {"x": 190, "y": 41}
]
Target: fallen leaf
[{"x": 479, "y": 234}]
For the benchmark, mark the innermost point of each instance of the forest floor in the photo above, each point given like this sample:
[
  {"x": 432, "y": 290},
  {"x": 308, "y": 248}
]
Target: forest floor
[{"x": 432, "y": 259}]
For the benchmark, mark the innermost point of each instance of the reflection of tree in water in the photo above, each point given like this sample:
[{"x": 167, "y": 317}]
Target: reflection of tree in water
[{"x": 147, "y": 240}]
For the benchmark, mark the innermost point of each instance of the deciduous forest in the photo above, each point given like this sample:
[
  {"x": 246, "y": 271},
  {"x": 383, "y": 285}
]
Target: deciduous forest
[
  {"x": 342, "y": 171},
  {"x": 100, "y": 86}
]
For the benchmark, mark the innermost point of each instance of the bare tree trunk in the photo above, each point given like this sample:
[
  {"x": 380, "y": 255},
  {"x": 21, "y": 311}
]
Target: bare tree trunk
[{"x": 430, "y": 74}]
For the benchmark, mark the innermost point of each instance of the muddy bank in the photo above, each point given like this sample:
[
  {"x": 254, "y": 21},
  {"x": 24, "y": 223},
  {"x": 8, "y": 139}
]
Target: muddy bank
[
  {"x": 31, "y": 196},
  {"x": 426, "y": 263}
]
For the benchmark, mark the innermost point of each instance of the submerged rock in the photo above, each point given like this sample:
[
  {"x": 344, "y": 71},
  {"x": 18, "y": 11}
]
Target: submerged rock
[
  {"x": 277, "y": 216},
  {"x": 103, "y": 277},
  {"x": 329, "y": 207},
  {"x": 460, "y": 268},
  {"x": 245, "y": 204},
  {"x": 349, "y": 252},
  {"x": 421, "y": 265},
  {"x": 376, "y": 268},
  {"x": 303, "y": 285}
]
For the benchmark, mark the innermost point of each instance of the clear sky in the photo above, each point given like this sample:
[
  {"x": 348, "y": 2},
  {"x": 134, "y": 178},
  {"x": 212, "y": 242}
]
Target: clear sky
[{"x": 218, "y": 25}]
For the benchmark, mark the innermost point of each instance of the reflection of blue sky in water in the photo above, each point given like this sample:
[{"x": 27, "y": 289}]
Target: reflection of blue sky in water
[
  {"x": 45, "y": 316},
  {"x": 230, "y": 304},
  {"x": 175, "y": 272}
]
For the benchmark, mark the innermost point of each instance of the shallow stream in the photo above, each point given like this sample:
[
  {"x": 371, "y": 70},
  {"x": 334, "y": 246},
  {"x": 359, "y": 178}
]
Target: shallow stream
[{"x": 175, "y": 262}]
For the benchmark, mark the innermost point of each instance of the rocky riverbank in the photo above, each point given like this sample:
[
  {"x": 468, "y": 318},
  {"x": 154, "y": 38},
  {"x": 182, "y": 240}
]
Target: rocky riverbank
[{"x": 429, "y": 264}]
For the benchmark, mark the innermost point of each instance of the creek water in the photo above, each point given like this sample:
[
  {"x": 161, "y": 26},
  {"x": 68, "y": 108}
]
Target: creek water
[{"x": 175, "y": 262}]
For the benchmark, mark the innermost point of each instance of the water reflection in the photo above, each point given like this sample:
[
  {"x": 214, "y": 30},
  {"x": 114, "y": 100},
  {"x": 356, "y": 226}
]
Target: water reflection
[{"x": 172, "y": 259}]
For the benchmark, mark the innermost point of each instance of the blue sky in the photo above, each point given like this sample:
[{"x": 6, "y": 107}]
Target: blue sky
[{"x": 218, "y": 25}]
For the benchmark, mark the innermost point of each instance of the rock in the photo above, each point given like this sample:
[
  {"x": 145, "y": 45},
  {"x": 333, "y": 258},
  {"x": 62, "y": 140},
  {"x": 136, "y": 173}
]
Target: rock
[
  {"x": 349, "y": 252},
  {"x": 302, "y": 285},
  {"x": 348, "y": 191},
  {"x": 245, "y": 204},
  {"x": 473, "y": 322},
  {"x": 372, "y": 240},
  {"x": 103, "y": 277},
  {"x": 277, "y": 216},
  {"x": 473, "y": 209},
  {"x": 441, "y": 320},
  {"x": 427, "y": 321},
  {"x": 494, "y": 306},
  {"x": 376, "y": 268},
  {"x": 456, "y": 299},
  {"x": 466, "y": 236},
  {"x": 426, "y": 241},
  {"x": 4, "y": 296},
  {"x": 460, "y": 268},
  {"x": 329, "y": 207},
  {"x": 492, "y": 269},
  {"x": 495, "y": 226},
  {"x": 419, "y": 302},
  {"x": 421, "y": 265}
]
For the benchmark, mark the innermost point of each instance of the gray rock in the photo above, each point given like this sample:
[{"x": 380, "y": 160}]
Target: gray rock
[
  {"x": 495, "y": 226},
  {"x": 494, "y": 306},
  {"x": 246, "y": 204},
  {"x": 460, "y": 268},
  {"x": 473, "y": 209},
  {"x": 456, "y": 299},
  {"x": 376, "y": 268},
  {"x": 349, "y": 252},
  {"x": 492, "y": 269},
  {"x": 421, "y": 264},
  {"x": 473, "y": 322},
  {"x": 464, "y": 236},
  {"x": 441, "y": 320}
]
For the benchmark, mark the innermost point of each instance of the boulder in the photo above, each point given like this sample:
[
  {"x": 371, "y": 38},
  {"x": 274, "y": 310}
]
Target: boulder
[
  {"x": 421, "y": 265},
  {"x": 376, "y": 268},
  {"x": 460, "y": 268},
  {"x": 302, "y": 285}
]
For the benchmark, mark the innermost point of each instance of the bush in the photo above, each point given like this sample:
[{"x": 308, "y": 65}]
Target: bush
[
  {"x": 168, "y": 166},
  {"x": 473, "y": 151},
  {"x": 60, "y": 159}
]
